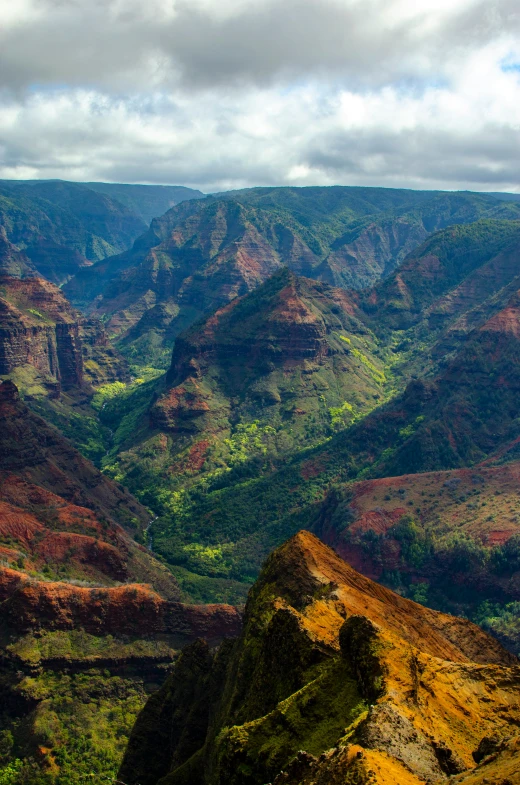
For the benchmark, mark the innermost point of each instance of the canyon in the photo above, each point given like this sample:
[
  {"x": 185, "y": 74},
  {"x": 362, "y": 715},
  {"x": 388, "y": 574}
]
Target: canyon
[{"x": 191, "y": 416}]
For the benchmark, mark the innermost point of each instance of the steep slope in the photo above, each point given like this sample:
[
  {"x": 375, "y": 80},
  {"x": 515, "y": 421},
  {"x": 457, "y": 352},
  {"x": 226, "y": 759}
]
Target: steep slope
[
  {"x": 37, "y": 454},
  {"x": 146, "y": 201},
  {"x": 13, "y": 262},
  {"x": 464, "y": 412},
  {"x": 334, "y": 679},
  {"x": 47, "y": 346},
  {"x": 279, "y": 369},
  {"x": 62, "y": 227},
  {"x": 91, "y": 620},
  {"x": 448, "y": 539},
  {"x": 451, "y": 285},
  {"x": 201, "y": 254}
]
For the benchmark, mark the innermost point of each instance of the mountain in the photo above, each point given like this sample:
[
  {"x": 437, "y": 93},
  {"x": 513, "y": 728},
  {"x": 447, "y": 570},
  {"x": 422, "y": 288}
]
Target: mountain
[
  {"x": 334, "y": 679},
  {"x": 272, "y": 372},
  {"x": 504, "y": 196},
  {"x": 461, "y": 411},
  {"x": 91, "y": 620},
  {"x": 63, "y": 227},
  {"x": 201, "y": 254},
  {"x": 46, "y": 345},
  {"x": 146, "y": 201},
  {"x": 276, "y": 349}
]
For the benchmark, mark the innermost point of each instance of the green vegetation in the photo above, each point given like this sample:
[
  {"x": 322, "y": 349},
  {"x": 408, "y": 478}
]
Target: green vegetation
[
  {"x": 247, "y": 441},
  {"x": 10, "y": 774},
  {"x": 502, "y": 621},
  {"x": 82, "y": 722},
  {"x": 84, "y": 692},
  {"x": 79, "y": 424},
  {"x": 78, "y": 645},
  {"x": 314, "y": 719}
]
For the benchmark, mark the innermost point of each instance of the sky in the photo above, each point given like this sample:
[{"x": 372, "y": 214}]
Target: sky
[{"x": 221, "y": 94}]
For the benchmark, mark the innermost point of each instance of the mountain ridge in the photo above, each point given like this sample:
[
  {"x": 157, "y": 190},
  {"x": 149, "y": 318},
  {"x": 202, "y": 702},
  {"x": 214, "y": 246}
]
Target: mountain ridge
[
  {"x": 315, "y": 629},
  {"x": 203, "y": 253}
]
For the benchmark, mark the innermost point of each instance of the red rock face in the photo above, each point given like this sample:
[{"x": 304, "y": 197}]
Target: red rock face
[
  {"x": 39, "y": 328},
  {"x": 126, "y": 610},
  {"x": 75, "y": 525},
  {"x": 58, "y": 511}
]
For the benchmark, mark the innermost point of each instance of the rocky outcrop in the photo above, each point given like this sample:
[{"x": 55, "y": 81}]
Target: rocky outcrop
[
  {"x": 133, "y": 609},
  {"x": 39, "y": 330},
  {"x": 334, "y": 679}
]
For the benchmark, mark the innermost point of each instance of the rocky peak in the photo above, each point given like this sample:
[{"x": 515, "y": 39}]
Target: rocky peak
[
  {"x": 333, "y": 679},
  {"x": 249, "y": 350}
]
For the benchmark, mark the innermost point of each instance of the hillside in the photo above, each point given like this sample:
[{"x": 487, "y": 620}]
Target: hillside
[
  {"x": 449, "y": 539},
  {"x": 334, "y": 679},
  {"x": 272, "y": 372},
  {"x": 201, "y": 254},
  {"x": 146, "y": 201},
  {"x": 464, "y": 412},
  {"x": 46, "y": 345},
  {"x": 63, "y": 227},
  {"x": 465, "y": 415},
  {"x": 91, "y": 620}
]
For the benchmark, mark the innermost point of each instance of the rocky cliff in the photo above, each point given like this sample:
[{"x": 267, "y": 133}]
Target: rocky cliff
[
  {"x": 39, "y": 329},
  {"x": 134, "y": 609},
  {"x": 334, "y": 679},
  {"x": 45, "y": 339}
]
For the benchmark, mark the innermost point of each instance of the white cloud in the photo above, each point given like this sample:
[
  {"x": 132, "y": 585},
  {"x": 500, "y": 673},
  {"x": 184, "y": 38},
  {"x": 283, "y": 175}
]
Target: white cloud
[{"x": 233, "y": 93}]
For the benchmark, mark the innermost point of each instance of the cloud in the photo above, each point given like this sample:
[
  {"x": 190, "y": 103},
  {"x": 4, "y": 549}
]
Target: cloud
[
  {"x": 235, "y": 93},
  {"x": 125, "y": 44}
]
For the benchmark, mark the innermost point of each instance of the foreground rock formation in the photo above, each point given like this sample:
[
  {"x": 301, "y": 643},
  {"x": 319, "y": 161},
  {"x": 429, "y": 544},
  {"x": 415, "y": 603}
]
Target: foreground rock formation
[{"x": 334, "y": 679}]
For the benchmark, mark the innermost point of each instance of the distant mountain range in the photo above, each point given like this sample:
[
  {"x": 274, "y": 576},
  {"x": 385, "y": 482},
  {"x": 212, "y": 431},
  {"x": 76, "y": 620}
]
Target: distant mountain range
[
  {"x": 62, "y": 227},
  {"x": 201, "y": 254}
]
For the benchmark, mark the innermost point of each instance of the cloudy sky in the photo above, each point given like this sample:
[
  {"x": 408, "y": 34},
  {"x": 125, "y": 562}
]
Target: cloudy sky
[{"x": 220, "y": 94}]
